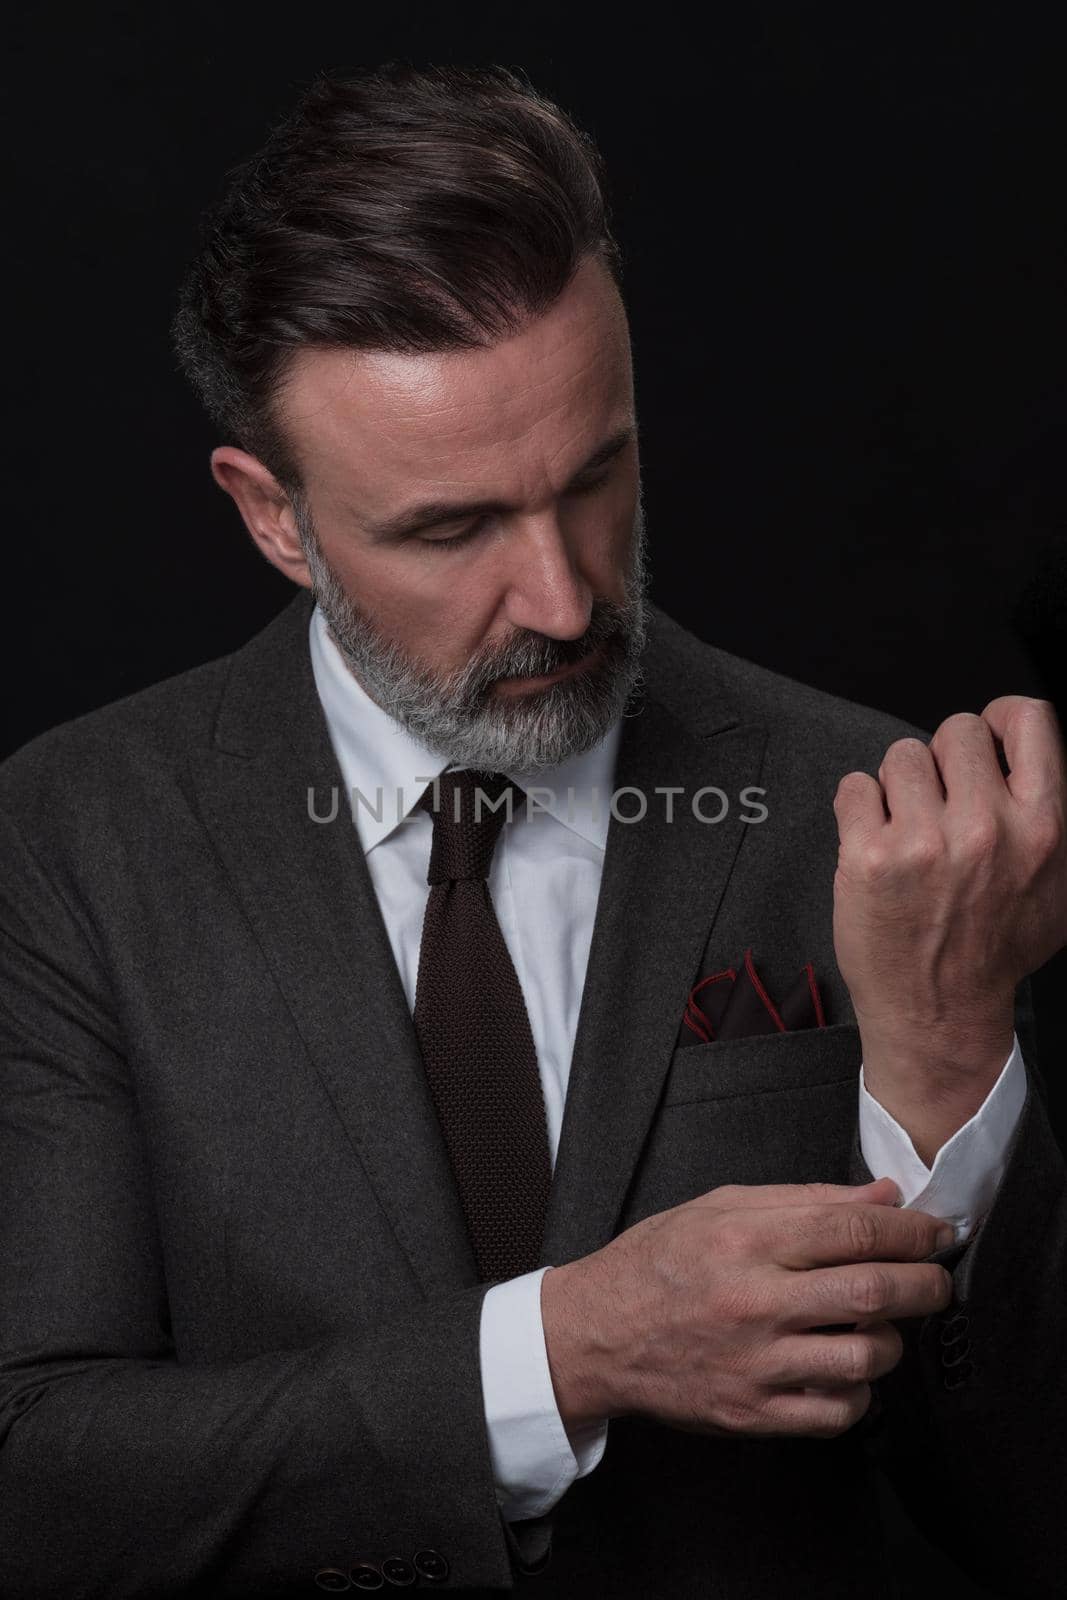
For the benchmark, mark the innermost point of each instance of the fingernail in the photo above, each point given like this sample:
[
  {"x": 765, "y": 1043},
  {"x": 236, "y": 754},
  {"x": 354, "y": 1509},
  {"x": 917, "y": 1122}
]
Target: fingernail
[{"x": 945, "y": 1237}]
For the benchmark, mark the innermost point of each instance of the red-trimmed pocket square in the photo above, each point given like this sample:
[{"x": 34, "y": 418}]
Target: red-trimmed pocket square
[{"x": 734, "y": 1003}]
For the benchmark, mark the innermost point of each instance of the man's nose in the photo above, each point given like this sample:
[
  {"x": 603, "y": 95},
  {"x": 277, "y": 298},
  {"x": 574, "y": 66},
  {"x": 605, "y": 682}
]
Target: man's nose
[{"x": 547, "y": 592}]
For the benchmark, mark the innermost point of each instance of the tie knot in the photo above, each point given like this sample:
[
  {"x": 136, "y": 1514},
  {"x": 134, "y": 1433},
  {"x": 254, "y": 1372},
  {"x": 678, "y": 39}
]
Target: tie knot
[{"x": 471, "y": 809}]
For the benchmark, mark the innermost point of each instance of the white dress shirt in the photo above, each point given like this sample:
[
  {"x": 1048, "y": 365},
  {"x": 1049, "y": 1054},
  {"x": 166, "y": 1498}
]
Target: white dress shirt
[{"x": 550, "y": 867}]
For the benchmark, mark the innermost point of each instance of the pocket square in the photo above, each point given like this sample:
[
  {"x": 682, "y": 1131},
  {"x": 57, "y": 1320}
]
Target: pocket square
[{"x": 735, "y": 1003}]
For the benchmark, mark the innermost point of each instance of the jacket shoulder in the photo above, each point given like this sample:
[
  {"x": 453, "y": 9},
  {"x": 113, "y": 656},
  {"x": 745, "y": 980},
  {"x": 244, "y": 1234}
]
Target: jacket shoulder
[
  {"x": 134, "y": 742},
  {"x": 159, "y": 722},
  {"x": 828, "y": 727}
]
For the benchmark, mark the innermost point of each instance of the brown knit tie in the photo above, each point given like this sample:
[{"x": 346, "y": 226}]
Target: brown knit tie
[{"x": 474, "y": 1033}]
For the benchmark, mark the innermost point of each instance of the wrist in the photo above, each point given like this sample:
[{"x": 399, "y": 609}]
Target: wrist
[
  {"x": 932, "y": 1077},
  {"x": 939, "y": 1059},
  {"x": 577, "y": 1375}
]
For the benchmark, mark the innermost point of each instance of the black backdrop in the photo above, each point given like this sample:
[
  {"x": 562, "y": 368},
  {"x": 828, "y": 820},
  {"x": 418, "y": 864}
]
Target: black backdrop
[{"x": 845, "y": 281}]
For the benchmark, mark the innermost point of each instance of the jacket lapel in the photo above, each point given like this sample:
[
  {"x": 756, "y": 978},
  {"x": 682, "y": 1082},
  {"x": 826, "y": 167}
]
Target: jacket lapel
[
  {"x": 660, "y": 894},
  {"x": 306, "y": 892}
]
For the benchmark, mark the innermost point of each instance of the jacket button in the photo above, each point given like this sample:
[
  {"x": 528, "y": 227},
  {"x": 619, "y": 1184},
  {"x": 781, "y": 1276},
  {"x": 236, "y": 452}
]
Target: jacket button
[
  {"x": 365, "y": 1576},
  {"x": 955, "y": 1328},
  {"x": 957, "y": 1376},
  {"x": 431, "y": 1565},
  {"x": 396, "y": 1570},
  {"x": 333, "y": 1579}
]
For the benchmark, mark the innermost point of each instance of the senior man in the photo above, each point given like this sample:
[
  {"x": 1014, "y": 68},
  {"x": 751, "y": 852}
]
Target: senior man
[{"x": 579, "y": 1157}]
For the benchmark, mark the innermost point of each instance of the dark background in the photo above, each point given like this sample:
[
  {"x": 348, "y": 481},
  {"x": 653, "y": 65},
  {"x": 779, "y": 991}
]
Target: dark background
[{"x": 844, "y": 235}]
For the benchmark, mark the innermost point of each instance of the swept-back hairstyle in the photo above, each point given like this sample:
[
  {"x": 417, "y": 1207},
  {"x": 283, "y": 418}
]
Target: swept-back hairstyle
[{"x": 401, "y": 208}]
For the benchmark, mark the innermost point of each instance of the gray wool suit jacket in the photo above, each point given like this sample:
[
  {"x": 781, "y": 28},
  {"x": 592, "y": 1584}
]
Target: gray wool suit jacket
[{"x": 239, "y": 1311}]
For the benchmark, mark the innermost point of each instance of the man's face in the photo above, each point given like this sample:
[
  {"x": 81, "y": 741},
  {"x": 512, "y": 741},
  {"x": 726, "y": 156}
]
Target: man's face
[{"x": 473, "y": 529}]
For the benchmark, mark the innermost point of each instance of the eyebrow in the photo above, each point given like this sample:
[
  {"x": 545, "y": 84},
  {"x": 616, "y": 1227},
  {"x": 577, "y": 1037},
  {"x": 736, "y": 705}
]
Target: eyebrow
[{"x": 431, "y": 512}]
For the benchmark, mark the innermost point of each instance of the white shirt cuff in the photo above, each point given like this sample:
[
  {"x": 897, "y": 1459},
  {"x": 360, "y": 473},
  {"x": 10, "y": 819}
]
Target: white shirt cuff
[
  {"x": 961, "y": 1184},
  {"x": 533, "y": 1462}
]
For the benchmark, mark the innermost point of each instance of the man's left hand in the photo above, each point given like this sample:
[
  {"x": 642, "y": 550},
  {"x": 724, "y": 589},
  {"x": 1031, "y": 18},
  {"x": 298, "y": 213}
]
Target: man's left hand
[{"x": 951, "y": 887}]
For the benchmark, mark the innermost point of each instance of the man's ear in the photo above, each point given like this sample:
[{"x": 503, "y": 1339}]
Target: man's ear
[{"x": 265, "y": 508}]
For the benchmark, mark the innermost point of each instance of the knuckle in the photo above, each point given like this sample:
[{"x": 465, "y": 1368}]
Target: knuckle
[
  {"x": 892, "y": 1347},
  {"x": 738, "y": 1303},
  {"x": 735, "y": 1410},
  {"x": 820, "y": 1193},
  {"x": 873, "y": 861},
  {"x": 958, "y": 722},
  {"x": 843, "y": 1412},
  {"x": 866, "y": 1362},
  {"x": 859, "y": 1404},
  {"x": 904, "y": 752},
  {"x": 870, "y": 1292},
  {"x": 978, "y": 847},
  {"x": 732, "y": 1235},
  {"x": 860, "y": 1360},
  {"x": 923, "y": 850},
  {"x": 798, "y": 1224},
  {"x": 979, "y": 838},
  {"x": 882, "y": 1349},
  {"x": 862, "y": 1232},
  {"x": 1047, "y": 833}
]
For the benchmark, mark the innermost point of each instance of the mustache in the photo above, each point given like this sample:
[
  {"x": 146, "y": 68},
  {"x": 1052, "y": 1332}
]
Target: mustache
[{"x": 534, "y": 655}]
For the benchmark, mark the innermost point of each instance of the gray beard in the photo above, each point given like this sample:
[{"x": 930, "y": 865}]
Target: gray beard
[{"x": 458, "y": 716}]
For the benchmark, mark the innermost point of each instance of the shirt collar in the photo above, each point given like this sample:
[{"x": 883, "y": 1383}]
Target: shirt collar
[{"x": 381, "y": 760}]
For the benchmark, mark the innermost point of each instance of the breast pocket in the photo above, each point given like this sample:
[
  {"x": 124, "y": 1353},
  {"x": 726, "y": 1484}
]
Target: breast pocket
[
  {"x": 773, "y": 1108},
  {"x": 765, "y": 1063}
]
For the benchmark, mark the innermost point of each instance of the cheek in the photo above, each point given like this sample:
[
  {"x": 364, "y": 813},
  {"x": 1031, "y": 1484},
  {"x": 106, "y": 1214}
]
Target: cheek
[
  {"x": 605, "y": 539},
  {"x": 436, "y": 608}
]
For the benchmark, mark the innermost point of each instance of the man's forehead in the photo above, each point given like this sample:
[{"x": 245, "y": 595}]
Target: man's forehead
[{"x": 572, "y": 363}]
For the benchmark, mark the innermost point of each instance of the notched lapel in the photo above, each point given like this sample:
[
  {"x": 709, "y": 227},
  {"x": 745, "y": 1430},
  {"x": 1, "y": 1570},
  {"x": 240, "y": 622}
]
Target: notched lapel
[
  {"x": 662, "y": 886},
  {"x": 306, "y": 891}
]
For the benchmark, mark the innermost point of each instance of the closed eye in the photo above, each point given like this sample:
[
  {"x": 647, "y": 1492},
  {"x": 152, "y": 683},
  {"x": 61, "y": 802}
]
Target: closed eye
[{"x": 480, "y": 523}]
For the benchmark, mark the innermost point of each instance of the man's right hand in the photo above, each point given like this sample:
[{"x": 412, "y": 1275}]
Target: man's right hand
[{"x": 702, "y": 1316}]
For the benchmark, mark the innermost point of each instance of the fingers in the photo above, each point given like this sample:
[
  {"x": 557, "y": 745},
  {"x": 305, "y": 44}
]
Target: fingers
[
  {"x": 812, "y": 1360},
  {"x": 1033, "y": 745},
  {"x": 960, "y": 764},
  {"x": 859, "y": 808},
  {"x": 806, "y": 1236},
  {"x": 911, "y": 783},
  {"x": 880, "y": 1191},
  {"x": 907, "y": 789},
  {"x": 866, "y": 1293},
  {"x": 814, "y": 1413},
  {"x": 966, "y": 757}
]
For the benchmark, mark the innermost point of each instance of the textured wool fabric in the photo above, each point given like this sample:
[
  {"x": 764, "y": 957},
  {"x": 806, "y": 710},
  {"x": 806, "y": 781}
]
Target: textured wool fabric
[
  {"x": 237, "y": 1292},
  {"x": 474, "y": 1032}
]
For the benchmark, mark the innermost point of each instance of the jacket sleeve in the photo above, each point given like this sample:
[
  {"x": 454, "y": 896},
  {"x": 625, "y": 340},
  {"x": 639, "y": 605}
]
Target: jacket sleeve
[
  {"x": 126, "y": 1471},
  {"x": 971, "y": 1424}
]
